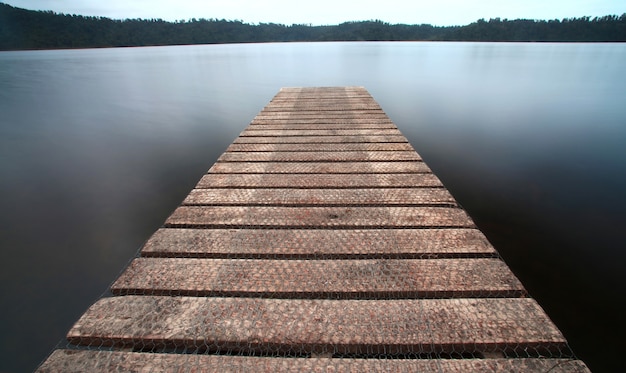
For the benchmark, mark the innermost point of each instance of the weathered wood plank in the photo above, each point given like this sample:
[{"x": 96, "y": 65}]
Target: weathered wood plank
[
  {"x": 331, "y": 114},
  {"x": 358, "y": 97},
  {"x": 350, "y": 147},
  {"x": 316, "y": 243},
  {"x": 323, "y": 217},
  {"x": 341, "y": 279},
  {"x": 72, "y": 361},
  {"x": 320, "y": 139},
  {"x": 331, "y": 100},
  {"x": 338, "y": 326},
  {"x": 331, "y": 111},
  {"x": 334, "y": 106},
  {"x": 345, "y": 156},
  {"x": 321, "y": 132},
  {"x": 310, "y": 181},
  {"x": 320, "y": 167},
  {"x": 321, "y": 197},
  {"x": 344, "y": 90},
  {"x": 305, "y": 98},
  {"x": 346, "y": 122},
  {"x": 362, "y": 97},
  {"x": 330, "y": 95},
  {"x": 289, "y": 125}
]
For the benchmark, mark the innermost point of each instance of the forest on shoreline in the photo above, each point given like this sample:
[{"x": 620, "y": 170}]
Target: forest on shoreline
[{"x": 22, "y": 29}]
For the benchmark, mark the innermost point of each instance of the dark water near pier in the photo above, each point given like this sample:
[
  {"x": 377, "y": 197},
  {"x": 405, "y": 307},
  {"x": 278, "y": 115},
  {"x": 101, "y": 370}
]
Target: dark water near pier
[{"x": 97, "y": 147}]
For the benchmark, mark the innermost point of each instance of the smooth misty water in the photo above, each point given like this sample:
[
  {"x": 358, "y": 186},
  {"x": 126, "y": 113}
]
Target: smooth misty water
[{"x": 97, "y": 147}]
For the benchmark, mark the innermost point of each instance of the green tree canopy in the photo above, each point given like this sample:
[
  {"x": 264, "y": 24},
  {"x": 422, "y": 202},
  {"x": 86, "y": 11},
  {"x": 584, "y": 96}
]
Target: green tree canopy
[{"x": 25, "y": 29}]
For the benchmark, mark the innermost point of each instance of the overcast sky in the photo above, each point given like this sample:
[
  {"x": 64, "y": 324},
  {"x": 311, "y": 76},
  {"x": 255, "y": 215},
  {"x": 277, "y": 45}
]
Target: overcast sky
[{"x": 330, "y": 12}]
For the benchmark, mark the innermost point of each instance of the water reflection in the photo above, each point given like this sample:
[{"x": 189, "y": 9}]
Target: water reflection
[{"x": 98, "y": 146}]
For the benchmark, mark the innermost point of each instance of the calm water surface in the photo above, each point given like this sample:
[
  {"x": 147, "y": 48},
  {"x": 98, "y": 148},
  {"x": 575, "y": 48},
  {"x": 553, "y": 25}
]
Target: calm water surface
[{"x": 97, "y": 147}]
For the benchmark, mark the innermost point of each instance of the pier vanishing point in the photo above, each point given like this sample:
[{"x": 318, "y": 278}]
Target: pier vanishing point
[{"x": 319, "y": 241}]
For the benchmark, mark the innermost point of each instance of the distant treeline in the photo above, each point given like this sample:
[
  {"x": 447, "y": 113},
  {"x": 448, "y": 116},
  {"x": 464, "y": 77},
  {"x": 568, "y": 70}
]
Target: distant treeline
[{"x": 26, "y": 29}]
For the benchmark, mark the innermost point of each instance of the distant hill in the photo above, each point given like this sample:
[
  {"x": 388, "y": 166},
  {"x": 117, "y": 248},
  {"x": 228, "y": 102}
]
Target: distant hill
[{"x": 26, "y": 29}]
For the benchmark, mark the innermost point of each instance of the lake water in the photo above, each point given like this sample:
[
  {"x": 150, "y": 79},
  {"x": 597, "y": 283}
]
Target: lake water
[{"x": 97, "y": 147}]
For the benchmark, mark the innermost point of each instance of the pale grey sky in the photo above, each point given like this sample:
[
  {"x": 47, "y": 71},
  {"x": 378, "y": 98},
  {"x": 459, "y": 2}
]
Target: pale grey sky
[{"x": 330, "y": 12}]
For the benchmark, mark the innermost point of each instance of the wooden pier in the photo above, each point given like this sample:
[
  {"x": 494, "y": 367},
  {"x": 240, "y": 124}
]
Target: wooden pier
[{"x": 319, "y": 241}]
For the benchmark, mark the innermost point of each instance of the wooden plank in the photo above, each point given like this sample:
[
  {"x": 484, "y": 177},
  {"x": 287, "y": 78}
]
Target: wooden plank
[
  {"x": 312, "y": 98},
  {"x": 339, "y": 326},
  {"x": 305, "y": 98},
  {"x": 351, "y": 147},
  {"x": 360, "y": 97},
  {"x": 343, "y": 90},
  {"x": 289, "y": 125},
  {"x": 334, "y": 106},
  {"x": 319, "y": 139},
  {"x": 340, "y": 279},
  {"x": 344, "y": 156},
  {"x": 320, "y": 167},
  {"x": 331, "y": 132},
  {"x": 336, "y": 114},
  {"x": 331, "y": 108},
  {"x": 322, "y": 217},
  {"x": 310, "y": 181},
  {"x": 316, "y": 243},
  {"x": 321, "y": 197},
  {"x": 75, "y": 361},
  {"x": 330, "y": 96},
  {"x": 346, "y": 95},
  {"x": 327, "y": 91},
  {"x": 330, "y": 103},
  {"x": 346, "y": 122}
]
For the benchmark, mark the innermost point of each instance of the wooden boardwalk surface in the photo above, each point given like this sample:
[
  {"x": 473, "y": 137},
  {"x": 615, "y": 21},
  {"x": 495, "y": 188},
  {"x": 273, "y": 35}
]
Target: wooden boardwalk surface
[{"x": 319, "y": 241}]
